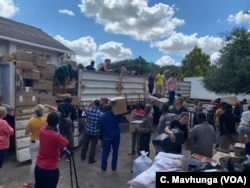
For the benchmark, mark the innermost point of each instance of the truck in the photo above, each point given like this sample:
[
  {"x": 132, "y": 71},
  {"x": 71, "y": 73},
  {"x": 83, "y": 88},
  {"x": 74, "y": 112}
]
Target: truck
[{"x": 24, "y": 84}]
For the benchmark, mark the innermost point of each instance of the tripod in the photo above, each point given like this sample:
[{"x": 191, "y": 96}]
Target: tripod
[{"x": 72, "y": 165}]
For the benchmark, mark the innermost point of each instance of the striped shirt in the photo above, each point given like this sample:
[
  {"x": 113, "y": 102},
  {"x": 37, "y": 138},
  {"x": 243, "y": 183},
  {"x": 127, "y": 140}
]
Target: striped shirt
[{"x": 93, "y": 115}]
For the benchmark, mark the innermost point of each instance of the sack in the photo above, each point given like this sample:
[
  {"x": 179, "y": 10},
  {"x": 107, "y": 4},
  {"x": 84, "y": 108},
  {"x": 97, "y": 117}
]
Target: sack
[
  {"x": 141, "y": 163},
  {"x": 162, "y": 142}
]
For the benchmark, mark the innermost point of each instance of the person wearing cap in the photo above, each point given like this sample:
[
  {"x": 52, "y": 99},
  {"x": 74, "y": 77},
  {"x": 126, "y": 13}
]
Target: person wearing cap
[
  {"x": 33, "y": 127},
  {"x": 244, "y": 126},
  {"x": 61, "y": 77},
  {"x": 5, "y": 132},
  {"x": 172, "y": 86}
]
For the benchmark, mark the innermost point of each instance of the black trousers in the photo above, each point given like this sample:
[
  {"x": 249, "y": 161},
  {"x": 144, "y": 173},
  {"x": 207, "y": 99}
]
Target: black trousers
[
  {"x": 46, "y": 178},
  {"x": 85, "y": 144},
  {"x": 145, "y": 141}
]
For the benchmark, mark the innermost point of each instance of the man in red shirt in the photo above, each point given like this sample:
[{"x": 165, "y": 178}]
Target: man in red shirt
[{"x": 46, "y": 170}]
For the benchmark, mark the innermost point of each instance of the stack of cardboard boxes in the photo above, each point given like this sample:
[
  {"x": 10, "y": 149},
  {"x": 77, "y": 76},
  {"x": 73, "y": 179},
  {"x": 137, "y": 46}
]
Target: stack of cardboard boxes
[{"x": 33, "y": 78}]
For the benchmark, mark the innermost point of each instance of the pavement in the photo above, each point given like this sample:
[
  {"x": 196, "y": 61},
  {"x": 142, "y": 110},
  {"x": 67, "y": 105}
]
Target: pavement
[{"x": 13, "y": 174}]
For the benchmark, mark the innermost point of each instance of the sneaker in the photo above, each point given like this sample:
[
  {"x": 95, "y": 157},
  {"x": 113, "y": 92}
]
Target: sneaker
[{"x": 67, "y": 160}]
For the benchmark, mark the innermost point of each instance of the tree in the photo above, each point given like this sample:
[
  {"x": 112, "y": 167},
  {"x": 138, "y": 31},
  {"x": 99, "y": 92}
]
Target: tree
[
  {"x": 231, "y": 73},
  {"x": 195, "y": 63}
]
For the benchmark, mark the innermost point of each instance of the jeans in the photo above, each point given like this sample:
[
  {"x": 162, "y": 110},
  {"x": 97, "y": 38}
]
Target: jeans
[
  {"x": 107, "y": 144},
  {"x": 144, "y": 142},
  {"x": 3, "y": 154},
  {"x": 171, "y": 96}
]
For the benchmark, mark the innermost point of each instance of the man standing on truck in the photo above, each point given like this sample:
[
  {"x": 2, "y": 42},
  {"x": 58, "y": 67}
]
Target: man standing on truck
[
  {"x": 60, "y": 78},
  {"x": 171, "y": 88}
]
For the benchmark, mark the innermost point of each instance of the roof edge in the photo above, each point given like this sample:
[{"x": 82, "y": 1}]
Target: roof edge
[{"x": 37, "y": 45}]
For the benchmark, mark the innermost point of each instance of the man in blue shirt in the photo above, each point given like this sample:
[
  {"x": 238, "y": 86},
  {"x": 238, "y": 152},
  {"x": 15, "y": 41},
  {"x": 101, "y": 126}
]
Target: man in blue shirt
[
  {"x": 110, "y": 134},
  {"x": 92, "y": 130}
]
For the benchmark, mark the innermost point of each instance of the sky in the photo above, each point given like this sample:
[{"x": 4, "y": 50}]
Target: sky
[{"x": 160, "y": 31}]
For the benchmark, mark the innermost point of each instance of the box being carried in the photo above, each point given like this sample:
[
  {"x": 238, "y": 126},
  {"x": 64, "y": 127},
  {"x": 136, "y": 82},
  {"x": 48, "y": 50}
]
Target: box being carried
[
  {"x": 118, "y": 105},
  {"x": 134, "y": 124},
  {"x": 195, "y": 159},
  {"x": 239, "y": 149}
]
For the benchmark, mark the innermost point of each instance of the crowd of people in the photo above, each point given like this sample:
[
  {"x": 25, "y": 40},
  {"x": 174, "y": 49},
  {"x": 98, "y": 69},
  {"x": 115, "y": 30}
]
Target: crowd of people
[{"x": 216, "y": 128}]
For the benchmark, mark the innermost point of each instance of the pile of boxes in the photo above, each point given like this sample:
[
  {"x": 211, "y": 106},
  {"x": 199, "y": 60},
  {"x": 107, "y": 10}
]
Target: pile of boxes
[{"x": 33, "y": 79}]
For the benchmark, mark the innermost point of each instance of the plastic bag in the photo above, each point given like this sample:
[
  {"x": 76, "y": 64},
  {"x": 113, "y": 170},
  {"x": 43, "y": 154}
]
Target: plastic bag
[{"x": 141, "y": 163}]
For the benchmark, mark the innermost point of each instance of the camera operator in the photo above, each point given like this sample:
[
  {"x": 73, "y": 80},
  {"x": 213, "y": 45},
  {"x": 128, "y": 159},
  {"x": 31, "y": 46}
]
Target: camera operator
[
  {"x": 68, "y": 115},
  {"x": 46, "y": 170}
]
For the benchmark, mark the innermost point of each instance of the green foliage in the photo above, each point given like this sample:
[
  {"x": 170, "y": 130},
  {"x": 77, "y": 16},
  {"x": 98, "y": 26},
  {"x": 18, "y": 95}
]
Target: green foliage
[
  {"x": 231, "y": 73},
  {"x": 195, "y": 63}
]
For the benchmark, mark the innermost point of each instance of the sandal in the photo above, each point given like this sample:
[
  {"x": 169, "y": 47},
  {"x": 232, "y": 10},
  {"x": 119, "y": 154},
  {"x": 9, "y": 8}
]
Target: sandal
[{"x": 27, "y": 184}]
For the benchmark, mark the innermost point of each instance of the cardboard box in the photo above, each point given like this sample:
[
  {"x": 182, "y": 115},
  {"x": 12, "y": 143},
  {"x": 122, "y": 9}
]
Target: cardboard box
[
  {"x": 74, "y": 100},
  {"x": 24, "y": 91},
  {"x": 222, "y": 158},
  {"x": 158, "y": 102},
  {"x": 24, "y": 65},
  {"x": 239, "y": 149},
  {"x": 119, "y": 105},
  {"x": 43, "y": 99},
  {"x": 134, "y": 124},
  {"x": 33, "y": 74},
  {"x": 196, "y": 159},
  {"x": 26, "y": 100},
  {"x": 231, "y": 100},
  {"x": 42, "y": 85},
  {"x": 5, "y": 58},
  {"x": 41, "y": 62},
  {"x": 22, "y": 55}
]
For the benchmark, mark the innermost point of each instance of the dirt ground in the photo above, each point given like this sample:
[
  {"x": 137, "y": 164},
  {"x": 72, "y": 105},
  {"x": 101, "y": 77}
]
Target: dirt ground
[{"x": 14, "y": 174}]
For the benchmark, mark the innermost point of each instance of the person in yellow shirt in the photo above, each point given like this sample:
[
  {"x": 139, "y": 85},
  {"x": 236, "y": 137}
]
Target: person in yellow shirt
[
  {"x": 217, "y": 115},
  {"x": 160, "y": 83},
  {"x": 33, "y": 128}
]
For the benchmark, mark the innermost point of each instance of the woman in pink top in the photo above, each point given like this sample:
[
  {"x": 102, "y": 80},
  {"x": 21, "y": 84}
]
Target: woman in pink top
[{"x": 5, "y": 131}]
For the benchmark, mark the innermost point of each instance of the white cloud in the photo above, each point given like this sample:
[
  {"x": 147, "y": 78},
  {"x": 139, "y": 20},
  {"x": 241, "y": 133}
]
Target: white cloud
[
  {"x": 85, "y": 48},
  {"x": 166, "y": 60},
  {"x": 8, "y": 8},
  {"x": 239, "y": 18},
  {"x": 133, "y": 18},
  {"x": 65, "y": 11},
  {"x": 114, "y": 50},
  {"x": 179, "y": 43}
]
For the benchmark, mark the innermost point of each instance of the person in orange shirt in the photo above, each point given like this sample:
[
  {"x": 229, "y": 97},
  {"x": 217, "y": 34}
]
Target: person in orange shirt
[
  {"x": 5, "y": 132},
  {"x": 136, "y": 114}
]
